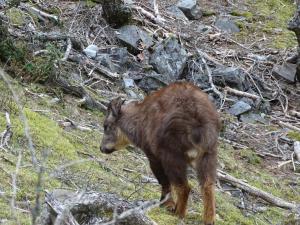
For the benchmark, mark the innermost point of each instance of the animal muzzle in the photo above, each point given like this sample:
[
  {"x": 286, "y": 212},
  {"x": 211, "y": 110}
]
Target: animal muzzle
[{"x": 106, "y": 150}]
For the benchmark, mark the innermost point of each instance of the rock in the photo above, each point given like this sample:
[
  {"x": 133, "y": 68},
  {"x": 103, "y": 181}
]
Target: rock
[
  {"x": 169, "y": 58},
  {"x": 286, "y": 71},
  {"x": 128, "y": 82},
  {"x": 175, "y": 11},
  {"x": 190, "y": 9},
  {"x": 115, "y": 59},
  {"x": 203, "y": 28},
  {"x": 253, "y": 118},
  {"x": 117, "y": 12},
  {"x": 231, "y": 76},
  {"x": 239, "y": 108},
  {"x": 227, "y": 25},
  {"x": 91, "y": 51},
  {"x": 134, "y": 38},
  {"x": 152, "y": 81}
]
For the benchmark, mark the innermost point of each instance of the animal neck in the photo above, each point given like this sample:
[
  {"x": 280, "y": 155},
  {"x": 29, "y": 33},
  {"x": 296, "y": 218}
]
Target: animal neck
[{"x": 130, "y": 123}]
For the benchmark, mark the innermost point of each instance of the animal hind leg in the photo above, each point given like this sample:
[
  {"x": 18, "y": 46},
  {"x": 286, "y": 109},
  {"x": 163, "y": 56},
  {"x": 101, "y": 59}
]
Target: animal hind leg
[
  {"x": 206, "y": 170},
  {"x": 175, "y": 169},
  {"x": 163, "y": 180}
]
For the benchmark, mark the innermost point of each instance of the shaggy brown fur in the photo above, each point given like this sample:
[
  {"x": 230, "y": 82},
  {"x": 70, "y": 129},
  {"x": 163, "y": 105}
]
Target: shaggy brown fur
[{"x": 176, "y": 126}]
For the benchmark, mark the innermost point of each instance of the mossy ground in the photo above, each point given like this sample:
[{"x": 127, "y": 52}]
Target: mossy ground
[
  {"x": 269, "y": 18},
  {"x": 72, "y": 160}
]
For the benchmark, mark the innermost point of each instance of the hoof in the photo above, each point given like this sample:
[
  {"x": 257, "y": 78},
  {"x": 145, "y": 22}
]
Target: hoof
[{"x": 169, "y": 205}]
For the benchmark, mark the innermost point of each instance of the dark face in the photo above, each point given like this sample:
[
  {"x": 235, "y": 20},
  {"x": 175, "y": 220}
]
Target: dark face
[{"x": 113, "y": 138}]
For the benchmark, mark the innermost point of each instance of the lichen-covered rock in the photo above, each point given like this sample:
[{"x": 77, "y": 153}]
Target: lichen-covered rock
[
  {"x": 169, "y": 58},
  {"x": 134, "y": 38}
]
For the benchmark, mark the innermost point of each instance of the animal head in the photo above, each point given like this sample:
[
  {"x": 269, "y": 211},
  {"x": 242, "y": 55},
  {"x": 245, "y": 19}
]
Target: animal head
[{"x": 113, "y": 138}]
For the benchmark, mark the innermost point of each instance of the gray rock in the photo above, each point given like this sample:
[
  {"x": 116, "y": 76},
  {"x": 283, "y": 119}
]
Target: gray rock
[
  {"x": 152, "y": 81},
  {"x": 239, "y": 108},
  {"x": 286, "y": 71},
  {"x": 231, "y": 76},
  {"x": 91, "y": 51},
  {"x": 114, "y": 58},
  {"x": 128, "y": 82},
  {"x": 190, "y": 9},
  {"x": 134, "y": 37},
  {"x": 227, "y": 25},
  {"x": 203, "y": 28},
  {"x": 169, "y": 58},
  {"x": 175, "y": 11},
  {"x": 253, "y": 118}
]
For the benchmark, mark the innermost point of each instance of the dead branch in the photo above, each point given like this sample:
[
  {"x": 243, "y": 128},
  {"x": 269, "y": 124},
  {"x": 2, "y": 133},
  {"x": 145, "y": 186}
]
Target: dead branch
[
  {"x": 297, "y": 150},
  {"x": 67, "y": 53},
  {"x": 215, "y": 90},
  {"x": 38, "y": 12},
  {"x": 295, "y": 113},
  {"x": 149, "y": 15},
  {"x": 288, "y": 125},
  {"x": 241, "y": 93},
  {"x": 255, "y": 191}
]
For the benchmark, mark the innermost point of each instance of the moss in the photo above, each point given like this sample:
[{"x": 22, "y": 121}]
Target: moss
[
  {"x": 276, "y": 14},
  {"x": 294, "y": 135},
  {"x": 248, "y": 15},
  {"x": 16, "y": 16},
  {"x": 208, "y": 13},
  {"x": 162, "y": 217},
  {"x": 250, "y": 156}
]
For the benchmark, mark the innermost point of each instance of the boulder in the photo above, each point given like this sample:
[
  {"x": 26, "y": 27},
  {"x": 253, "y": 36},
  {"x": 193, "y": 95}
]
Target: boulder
[
  {"x": 231, "y": 76},
  {"x": 176, "y": 12},
  {"x": 239, "y": 108},
  {"x": 152, "y": 81},
  {"x": 114, "y": 58},
  {"x": 190, "y": 9},
  {"x": 169, "y": 58},
  {"x": 286, "y": 71},
  {"x": 134, "y": 38},
  {"x": 226, "y": 25}
]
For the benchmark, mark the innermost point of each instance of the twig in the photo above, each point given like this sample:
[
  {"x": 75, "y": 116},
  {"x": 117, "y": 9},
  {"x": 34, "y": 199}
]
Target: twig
[
  {"x": 149, "y": 15},
  {"x": 295, "y": 113},
  {"x": 241, "y": 93},
  {"x": 255, "y": 191}
]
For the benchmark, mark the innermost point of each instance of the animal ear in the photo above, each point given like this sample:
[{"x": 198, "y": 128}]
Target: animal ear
[{"x": 116, "y": 105}]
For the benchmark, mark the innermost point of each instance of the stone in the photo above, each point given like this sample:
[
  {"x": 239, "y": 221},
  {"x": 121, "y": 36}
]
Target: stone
[
  {"x": 169, "y": 58},
  {"x": 203, "y": 28},
  {"x": 91, "y": 51},
  {"x": 114, "y": 58},
  {"x": 253, "y": 118},
  {"x": 231, "y": 76},
  {"x": 239, "y": 108},
  {"x": 286, "y": 71},
  {"x": 176, "y": 12},
  {"x": 190, "y": 9},
  {"x": 134, "y": 37},
  {"x": 226, "y": 25},
  {"x": 128, "y": 82},
  {"x": 152, "y": 81},
  {"x": 117, "y": 12}
]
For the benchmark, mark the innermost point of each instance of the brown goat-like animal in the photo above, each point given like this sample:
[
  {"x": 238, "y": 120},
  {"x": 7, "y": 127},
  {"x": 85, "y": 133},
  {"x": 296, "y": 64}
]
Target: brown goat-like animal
[{"x": 176, "y": 126}]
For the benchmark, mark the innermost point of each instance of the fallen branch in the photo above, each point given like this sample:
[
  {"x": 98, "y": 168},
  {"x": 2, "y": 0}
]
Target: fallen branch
[
  {"x": 67, "y": 53},
  {"x": 38, "y": 12},
  {"x": 241, "y": 93},
  {"x": 287, "y": 125},
  {"x": 256, "y": 192},
  {"x": 149, "y": 15},
  {"x": 297, "y": 150},
  {"x": 213, "y": 87},
  {"x": 295, "y": 113}
]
